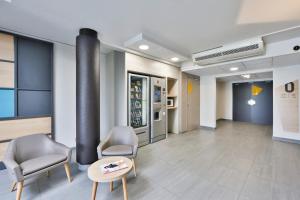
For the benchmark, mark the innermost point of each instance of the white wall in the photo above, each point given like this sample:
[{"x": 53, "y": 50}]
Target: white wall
[
  {"x": 65, "y": 94},
  {"x": 219, "y": 96},
  {"x": 228, "y": 101},
  {"x": 283, "y": 76},
  {"x": 224, "y": 100},
  {"x": 148, "y": 66},
  {"x": 107, "y": 96},
  {"x": 208, "y": 101}
]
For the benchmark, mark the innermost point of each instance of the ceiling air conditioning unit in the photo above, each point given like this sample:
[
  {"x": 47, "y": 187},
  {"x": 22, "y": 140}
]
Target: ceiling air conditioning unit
[{"x": 234, "y": 51}]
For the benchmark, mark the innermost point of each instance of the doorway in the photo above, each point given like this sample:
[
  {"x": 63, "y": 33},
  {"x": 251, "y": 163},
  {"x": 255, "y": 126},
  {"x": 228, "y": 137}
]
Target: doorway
[
  {"x": 190, "y": 102},
  {"x": 245, "y": 98},
  {"x": 253, "y": 102}
]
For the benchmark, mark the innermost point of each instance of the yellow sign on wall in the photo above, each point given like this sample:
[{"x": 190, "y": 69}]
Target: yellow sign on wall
[
  {"x": 256, "y": 90},
  {"x": 190, "y": 87}
]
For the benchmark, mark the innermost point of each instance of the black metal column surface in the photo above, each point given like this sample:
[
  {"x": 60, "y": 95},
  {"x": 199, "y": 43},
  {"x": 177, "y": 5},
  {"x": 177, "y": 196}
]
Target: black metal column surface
[{"x": 87, "y": 96}]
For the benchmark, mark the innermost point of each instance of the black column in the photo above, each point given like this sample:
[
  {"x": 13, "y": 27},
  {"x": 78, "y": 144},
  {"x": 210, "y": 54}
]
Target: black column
[{"x": 87, "y": 96}]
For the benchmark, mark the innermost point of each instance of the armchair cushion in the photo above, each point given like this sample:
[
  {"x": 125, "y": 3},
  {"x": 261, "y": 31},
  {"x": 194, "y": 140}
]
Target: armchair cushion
[
  {"x": 118, "y": 150},
  {"x": 42, "y": 162}
]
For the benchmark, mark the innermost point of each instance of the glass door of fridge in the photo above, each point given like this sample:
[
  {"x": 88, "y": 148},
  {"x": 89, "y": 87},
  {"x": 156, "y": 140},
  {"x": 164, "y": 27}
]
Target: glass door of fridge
[{"x": 138, "y": 99}]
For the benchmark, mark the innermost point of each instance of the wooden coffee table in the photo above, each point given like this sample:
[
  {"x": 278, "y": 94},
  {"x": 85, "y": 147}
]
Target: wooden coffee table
[{"x": 96, "y": 175}]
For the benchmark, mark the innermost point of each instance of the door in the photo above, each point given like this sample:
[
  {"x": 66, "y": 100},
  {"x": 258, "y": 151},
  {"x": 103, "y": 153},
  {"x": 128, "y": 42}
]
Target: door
[
  {"x": 190, "y": 102},
  {"x": 241, "y": 96},
  {"x": 184, "y": 103},
  {"x": 138, "y": 106},
  {"x": 253, "y": 102},
  {"x": 193, "y": 103},
  {"x": 158, "y": 109}
]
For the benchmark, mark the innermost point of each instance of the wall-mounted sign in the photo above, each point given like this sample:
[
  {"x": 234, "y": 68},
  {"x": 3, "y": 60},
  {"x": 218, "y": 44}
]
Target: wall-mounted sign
[
  {"x": 256, "y": 90},
  {"x": 288, "y": 105},
  {"x": 190, "y": 87}
]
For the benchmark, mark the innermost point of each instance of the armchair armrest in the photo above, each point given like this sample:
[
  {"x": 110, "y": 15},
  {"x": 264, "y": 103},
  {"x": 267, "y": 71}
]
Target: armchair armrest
[
  {"x": 103, "y": 145},
  {"x": 13, "y": 168}
]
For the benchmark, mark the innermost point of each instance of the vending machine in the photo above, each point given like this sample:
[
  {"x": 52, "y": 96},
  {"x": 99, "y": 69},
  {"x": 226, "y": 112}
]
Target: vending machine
[
  {"x": 138, "y": 106},
  {"x": 147, "y": 107},
  {"x": 158, "y": 109}
]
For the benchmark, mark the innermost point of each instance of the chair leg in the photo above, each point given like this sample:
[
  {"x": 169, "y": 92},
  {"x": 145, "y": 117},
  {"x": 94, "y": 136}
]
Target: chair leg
[
  {"x": 134, "y": 169},
  {"x": 13, "y": 186},
  {"x": 19, "y": 190},
  {"x": 68, "y": 172}
]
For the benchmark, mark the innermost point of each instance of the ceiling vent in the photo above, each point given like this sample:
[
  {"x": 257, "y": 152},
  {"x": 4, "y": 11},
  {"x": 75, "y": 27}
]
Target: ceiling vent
[{"x": 234, "y": 51}]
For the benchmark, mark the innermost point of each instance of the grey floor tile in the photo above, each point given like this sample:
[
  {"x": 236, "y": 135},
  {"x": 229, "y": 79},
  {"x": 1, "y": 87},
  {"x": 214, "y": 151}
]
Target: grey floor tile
[
  {"x": 233, "y": 179},
  {"x": 235, "y": 161},
  {"x": 257, "y": 188}
]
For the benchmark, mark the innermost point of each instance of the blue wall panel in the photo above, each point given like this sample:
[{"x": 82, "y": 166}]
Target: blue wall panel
[{"x": 7, "y": 103}]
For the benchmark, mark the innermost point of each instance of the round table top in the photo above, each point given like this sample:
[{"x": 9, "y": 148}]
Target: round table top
[{"x": 96, "y": 175}]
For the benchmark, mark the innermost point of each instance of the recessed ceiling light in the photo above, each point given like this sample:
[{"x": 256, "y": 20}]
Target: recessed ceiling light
[
  {"x": 246, "y": 76},
  {"x": 175, "y": 59},
  {"x": 234, "y": 69},
  {"x": 144, "y": 47}
]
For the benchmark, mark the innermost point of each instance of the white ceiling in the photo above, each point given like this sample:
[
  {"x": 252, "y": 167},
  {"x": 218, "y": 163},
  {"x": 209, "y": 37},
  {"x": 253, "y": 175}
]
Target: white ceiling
[
  {"x": 155, "y": 50},
  {"x": 183, "y": 26},
  {"x": 253, "y": 77},
  {"x": 252, "y": 65}
]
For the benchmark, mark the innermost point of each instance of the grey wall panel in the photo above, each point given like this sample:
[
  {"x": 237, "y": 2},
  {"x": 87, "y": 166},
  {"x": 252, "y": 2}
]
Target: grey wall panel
[
  {"x": 34, "y": 103},
  {"x": 241, "y": 95},
  {"x": 262, "y": 111},
  {"x": 34, "y": 64}
]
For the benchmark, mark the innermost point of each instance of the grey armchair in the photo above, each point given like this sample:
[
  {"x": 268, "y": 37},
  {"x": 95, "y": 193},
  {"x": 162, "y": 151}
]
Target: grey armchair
[
  {"x": 32, "y": 155},
  {"x": 121, "y": 141}
]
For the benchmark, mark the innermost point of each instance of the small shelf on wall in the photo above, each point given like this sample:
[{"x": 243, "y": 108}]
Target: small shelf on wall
[
  {"x": 172, "y": 102},
  {"x": 172, "y": 87}
]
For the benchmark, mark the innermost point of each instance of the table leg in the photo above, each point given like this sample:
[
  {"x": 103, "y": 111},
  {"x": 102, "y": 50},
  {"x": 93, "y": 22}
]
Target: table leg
[
  {"x": 124, "y": 188},
  {"x": 111, "y": 186},
  {"x": 95, "y": 186}
]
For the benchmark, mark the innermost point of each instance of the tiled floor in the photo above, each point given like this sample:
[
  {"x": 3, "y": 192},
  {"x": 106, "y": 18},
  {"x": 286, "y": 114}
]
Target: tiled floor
[{"x": 236, "y": 161}]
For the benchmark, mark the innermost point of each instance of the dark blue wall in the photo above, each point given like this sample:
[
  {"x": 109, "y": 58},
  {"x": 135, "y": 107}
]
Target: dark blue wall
[{"x": 262, "y": 111}]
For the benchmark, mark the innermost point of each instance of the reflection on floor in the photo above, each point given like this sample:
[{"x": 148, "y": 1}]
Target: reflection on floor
[{"x": 236, "y": 161}]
